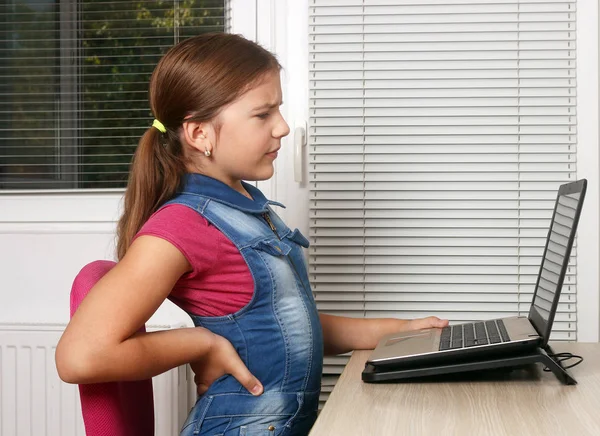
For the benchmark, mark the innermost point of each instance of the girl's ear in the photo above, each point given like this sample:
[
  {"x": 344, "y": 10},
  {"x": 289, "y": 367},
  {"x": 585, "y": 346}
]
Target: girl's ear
[{"x": 197, "y": 135}]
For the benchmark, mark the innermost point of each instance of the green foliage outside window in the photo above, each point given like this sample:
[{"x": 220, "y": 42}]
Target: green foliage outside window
[{"x": 74, "y": 84}]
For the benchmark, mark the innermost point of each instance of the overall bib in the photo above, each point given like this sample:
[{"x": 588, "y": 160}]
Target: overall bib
[{"x": 277, "y": 334}]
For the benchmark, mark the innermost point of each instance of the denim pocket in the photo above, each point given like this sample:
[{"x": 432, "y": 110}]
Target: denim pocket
[{"x": 270, "y": 414}]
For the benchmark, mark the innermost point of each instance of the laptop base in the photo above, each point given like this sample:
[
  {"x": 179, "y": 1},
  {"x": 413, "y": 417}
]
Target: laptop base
[{"x": 469, "y": 367}]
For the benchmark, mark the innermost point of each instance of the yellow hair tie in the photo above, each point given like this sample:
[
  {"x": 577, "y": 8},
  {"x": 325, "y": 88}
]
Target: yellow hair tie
[{"x": 159, "y": 126}]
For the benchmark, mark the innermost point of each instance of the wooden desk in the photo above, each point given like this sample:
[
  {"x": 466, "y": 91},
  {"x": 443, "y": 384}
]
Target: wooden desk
[{"x": 529, "y": 403}]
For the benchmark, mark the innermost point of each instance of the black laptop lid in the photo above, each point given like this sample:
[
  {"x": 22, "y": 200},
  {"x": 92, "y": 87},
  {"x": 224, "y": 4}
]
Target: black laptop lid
[{"x": 556, "y": 256}]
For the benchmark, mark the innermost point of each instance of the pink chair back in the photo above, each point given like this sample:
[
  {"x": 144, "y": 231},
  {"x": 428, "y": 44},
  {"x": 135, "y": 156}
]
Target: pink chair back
[{"x": 116, "y": 408}]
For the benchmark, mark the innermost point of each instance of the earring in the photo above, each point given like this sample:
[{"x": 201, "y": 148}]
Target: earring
[{"x": 207, "y": 153}]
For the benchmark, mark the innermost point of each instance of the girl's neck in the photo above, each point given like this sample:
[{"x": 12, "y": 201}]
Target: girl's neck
[{"x": 237, "y": 185}]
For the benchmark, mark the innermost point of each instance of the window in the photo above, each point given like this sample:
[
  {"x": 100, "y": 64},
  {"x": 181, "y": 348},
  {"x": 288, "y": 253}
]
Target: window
[
  {"x": 74, "y": 80},
  {"x": 439, "y": 134}
]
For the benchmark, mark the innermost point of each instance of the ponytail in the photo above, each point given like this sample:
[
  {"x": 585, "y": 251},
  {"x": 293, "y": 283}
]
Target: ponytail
[{"x": 154, "y": 176}]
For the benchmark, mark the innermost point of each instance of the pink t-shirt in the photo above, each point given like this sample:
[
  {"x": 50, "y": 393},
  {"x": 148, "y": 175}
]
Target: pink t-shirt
[{"x": 220, "y": 282}]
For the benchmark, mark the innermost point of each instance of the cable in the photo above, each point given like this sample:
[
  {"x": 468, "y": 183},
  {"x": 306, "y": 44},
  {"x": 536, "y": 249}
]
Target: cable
[{"x": 562, "y": 357}]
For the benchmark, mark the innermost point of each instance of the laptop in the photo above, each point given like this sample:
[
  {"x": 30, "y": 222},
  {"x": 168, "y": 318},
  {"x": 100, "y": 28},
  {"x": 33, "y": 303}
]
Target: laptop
[{"x": 497, "y": 336}]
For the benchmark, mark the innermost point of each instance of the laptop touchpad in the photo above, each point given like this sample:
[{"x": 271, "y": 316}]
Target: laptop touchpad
[{"x": 421, "y": 334}]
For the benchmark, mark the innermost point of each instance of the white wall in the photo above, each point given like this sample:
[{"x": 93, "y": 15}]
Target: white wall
[{"x": 45, "y": 239}]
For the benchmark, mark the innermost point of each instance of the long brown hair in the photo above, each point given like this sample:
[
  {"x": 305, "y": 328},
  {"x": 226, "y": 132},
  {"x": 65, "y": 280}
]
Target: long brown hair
[{"x": 194, "y": 80}]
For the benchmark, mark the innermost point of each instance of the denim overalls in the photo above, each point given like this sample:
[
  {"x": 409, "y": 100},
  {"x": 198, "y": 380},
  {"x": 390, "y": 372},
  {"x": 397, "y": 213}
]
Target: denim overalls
[{"x": 277, "y": 334}]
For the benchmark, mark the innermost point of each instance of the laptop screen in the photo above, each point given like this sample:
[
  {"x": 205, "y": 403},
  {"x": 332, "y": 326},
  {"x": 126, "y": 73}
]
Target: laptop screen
[{"x": 556, "y": 257}]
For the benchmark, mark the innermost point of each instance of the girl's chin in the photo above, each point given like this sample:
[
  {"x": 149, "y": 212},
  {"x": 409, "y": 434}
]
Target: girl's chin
[
  {"x": 259, "y": 176},
  {"x": 266, "y": 171}
]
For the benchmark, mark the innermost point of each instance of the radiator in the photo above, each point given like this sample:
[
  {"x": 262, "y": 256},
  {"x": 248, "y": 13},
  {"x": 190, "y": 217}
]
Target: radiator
[{"x": 34, "y": 401}]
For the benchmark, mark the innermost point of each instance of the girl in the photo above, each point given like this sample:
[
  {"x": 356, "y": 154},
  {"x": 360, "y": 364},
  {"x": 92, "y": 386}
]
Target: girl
[{"x": 194, "y": 232}]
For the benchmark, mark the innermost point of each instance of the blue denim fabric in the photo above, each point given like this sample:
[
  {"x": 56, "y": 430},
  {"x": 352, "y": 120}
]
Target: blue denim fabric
[{"x": 277, "y": 334}]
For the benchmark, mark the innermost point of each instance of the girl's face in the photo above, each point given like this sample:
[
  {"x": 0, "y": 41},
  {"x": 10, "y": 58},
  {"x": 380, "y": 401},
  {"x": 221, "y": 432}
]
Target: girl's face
[{"x": 250, "y": 135}]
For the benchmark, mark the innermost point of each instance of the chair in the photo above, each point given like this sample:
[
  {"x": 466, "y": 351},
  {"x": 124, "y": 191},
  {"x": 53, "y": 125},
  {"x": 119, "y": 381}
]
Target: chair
[{"x": 115, "y": 408}]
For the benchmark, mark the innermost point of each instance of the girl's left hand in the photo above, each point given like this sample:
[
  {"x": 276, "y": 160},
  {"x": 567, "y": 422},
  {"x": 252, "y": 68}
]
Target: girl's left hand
[
  {"x": 426, "y": 323},
  {"x": 221, "y": 360}
]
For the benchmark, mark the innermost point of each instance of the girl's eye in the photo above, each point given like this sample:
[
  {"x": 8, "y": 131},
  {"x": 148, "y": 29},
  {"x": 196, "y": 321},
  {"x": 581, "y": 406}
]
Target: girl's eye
[{"x": 263, "y": 116}]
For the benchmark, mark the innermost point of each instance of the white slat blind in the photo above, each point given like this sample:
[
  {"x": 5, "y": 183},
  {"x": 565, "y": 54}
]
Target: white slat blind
[
  {"x": 440, "y": 131},
  {"x": 74, "y": 84}
]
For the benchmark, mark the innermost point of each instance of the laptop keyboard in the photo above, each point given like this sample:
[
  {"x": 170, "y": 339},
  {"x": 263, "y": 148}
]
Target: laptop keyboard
[{"x": 473, "y": 334}]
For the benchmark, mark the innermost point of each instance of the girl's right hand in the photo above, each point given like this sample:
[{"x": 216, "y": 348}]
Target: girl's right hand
[{"x": 220, "y": 360}]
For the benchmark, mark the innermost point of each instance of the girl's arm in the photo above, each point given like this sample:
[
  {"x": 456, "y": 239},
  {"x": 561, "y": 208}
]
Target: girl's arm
[
  {"x": 343, "y": 334},
  {"x": 100, "y": 344}
]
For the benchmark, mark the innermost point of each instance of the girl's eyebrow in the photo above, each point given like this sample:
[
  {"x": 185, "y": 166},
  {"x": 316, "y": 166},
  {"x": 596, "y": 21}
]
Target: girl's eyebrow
[{"x": 267, "y": 106}]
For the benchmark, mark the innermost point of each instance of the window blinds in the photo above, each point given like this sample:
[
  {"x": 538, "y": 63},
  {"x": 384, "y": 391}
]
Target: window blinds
[
  {"x": 74, "y": 88},
  {"x": 440, "y": 131}
]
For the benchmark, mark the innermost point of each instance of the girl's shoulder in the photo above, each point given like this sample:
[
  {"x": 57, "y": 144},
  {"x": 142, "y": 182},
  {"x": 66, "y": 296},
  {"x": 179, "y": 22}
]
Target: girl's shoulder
[
  {"x": 187, "y": 230},
  {"x": 174, "y": 216}
]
